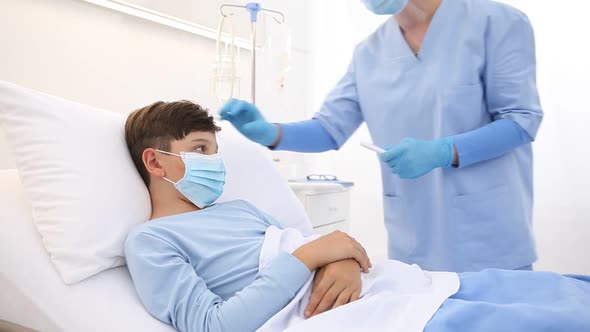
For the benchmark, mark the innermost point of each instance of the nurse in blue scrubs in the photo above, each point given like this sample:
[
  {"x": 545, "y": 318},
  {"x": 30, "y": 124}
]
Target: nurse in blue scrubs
[{"x": 448, "y": 87}]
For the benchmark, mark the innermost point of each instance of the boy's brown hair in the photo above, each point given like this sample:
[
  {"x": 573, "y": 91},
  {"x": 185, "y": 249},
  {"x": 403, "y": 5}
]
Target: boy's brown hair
[{"x": 158, "y": 124}]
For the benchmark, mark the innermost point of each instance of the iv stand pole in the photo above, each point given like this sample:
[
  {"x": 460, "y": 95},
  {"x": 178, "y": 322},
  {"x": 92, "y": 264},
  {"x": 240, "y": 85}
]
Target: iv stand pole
[
  {"x": 254, "y": 8},
  {"x": 253, "y": 64}
]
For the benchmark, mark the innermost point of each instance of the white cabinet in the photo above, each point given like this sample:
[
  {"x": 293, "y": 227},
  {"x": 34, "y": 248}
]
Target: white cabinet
[{"x": 327, "y": 205}]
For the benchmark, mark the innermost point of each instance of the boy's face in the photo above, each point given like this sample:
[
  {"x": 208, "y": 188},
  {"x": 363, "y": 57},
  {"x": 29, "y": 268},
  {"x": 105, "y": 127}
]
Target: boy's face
[{"x": 197, "y": 141}]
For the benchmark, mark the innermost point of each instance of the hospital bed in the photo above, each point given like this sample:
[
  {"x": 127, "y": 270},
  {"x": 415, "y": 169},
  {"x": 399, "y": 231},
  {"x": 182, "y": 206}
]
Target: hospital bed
[{"x": 33, "y": 295}]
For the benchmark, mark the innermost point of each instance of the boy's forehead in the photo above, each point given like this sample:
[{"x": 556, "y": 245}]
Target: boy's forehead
[{"x": 201, "y": 135}]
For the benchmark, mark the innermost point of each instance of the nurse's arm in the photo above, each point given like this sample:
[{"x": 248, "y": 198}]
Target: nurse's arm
[
  {"x": 338, "y": 118},
  {"x": 303, "y": 136},
  {"x": 488, "y": 142},
  {"x": 511, "y": 92}
]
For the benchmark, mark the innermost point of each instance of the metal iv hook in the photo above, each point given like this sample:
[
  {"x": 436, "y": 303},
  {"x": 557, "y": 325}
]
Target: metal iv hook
[{"x": 254, "y": 8}]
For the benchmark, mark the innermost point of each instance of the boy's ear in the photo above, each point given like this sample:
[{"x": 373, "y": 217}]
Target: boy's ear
[{"x": 151, "y": 163}]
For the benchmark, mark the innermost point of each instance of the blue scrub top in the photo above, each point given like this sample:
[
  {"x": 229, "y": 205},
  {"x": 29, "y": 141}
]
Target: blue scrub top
[{"x": 476, "y": 65}]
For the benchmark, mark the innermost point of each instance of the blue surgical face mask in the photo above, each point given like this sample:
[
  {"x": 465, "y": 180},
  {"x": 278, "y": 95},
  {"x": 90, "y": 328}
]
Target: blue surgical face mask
[
  {"x": 385, "y": 7},
  {"x": 203, "y": 179}
]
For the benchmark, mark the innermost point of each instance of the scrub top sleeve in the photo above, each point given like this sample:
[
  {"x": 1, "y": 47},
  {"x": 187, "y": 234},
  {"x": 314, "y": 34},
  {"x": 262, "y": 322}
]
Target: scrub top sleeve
[
  {"x": 510, "y": 75},
  {"x": 488, "y": 142},
  {"x": 341, "y": 114},
  {"x": 305, "y": 136}
]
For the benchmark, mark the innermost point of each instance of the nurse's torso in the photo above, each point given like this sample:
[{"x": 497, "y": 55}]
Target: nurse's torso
[{"x": 450, "y": 219}]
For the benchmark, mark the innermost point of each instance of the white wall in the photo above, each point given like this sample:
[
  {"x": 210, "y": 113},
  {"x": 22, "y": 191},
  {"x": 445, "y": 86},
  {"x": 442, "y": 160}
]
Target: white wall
[
  {"x": 562, "y": 209},
  {"x": 92, "y": 55}
]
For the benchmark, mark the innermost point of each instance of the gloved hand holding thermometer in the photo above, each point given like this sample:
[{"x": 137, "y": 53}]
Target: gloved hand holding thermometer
[
  {"x": 413, "y": 158},
  {"x": 410, "y": 159}
]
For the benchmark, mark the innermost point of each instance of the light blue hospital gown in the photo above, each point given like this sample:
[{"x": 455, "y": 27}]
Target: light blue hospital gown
[
  {"x": 199, "y": 271},
  {"x": 476, "y": 65}
]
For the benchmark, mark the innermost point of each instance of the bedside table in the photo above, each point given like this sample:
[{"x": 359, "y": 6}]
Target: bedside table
[{"x": 327, "y": 205}]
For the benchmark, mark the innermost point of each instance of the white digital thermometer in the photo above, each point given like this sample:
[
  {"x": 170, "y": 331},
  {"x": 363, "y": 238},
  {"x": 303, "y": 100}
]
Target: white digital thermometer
[{"x": 372, "y": 147}]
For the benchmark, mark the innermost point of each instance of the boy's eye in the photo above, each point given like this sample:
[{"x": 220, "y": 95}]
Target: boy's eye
[{"x": 200, "y": 148}]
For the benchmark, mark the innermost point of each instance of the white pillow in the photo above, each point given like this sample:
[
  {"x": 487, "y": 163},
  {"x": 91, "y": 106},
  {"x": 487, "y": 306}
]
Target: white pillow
[
  {"x": 252, "y": 175},
  {"x": 85, "y": 191},
  {"x": 75, "y": 167}
]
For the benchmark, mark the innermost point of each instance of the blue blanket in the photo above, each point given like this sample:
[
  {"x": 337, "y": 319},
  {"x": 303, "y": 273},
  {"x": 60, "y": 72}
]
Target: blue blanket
[{"x": 499, "y": 300}]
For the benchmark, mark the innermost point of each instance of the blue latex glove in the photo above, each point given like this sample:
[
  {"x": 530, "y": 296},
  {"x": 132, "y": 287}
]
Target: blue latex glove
[
  {"x": 413, "y": 158},
  {"x": 249, "y": 121}
]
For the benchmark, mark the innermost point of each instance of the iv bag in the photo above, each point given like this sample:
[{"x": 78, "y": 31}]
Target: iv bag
[
  {"x": 226, "y": 81},
  {"x": 277, "y": 53},
  {"x": 225, "y": 78}
]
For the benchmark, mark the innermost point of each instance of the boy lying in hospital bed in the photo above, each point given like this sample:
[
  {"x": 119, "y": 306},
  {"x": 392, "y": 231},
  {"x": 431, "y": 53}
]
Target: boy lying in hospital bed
[{"x": 201, "y": 266}]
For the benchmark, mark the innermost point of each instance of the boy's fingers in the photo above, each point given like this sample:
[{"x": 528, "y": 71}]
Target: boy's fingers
[
  {"x": 362, "y": 257},
  {"x": 318, "y": 293},
  {"x": 329, "y": 298},
  {"x": 342, "y": 299}
]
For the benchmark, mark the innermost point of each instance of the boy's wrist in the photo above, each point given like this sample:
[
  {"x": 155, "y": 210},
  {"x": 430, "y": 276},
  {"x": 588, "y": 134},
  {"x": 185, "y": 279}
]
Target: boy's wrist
[{"x": 306, "y": 256}]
